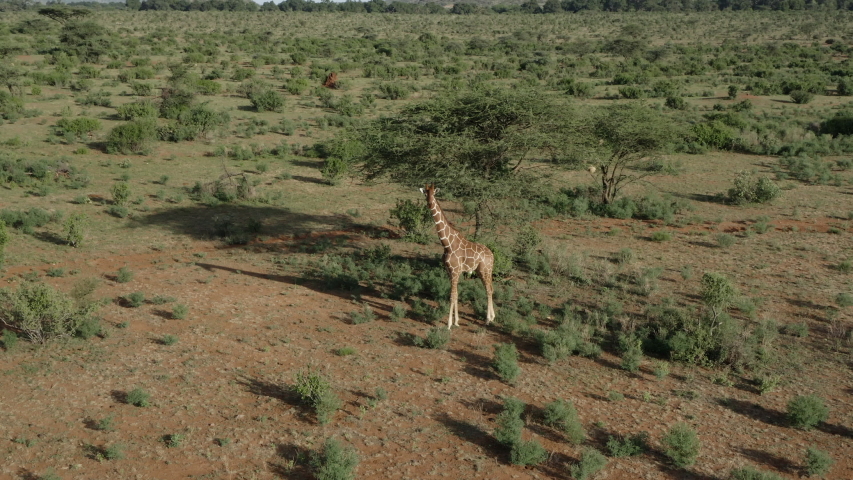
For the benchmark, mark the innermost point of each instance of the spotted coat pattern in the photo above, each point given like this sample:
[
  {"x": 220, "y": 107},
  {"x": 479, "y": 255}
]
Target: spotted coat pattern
[{"x": 460, "y": 256}]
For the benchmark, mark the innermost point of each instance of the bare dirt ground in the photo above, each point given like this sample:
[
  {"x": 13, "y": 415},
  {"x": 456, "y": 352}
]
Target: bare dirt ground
[{"x": 255, "y": 321}]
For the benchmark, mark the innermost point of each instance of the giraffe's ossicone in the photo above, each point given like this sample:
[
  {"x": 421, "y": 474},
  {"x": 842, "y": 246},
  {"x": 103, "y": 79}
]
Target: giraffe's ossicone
[{"x": 460, "y": 256}]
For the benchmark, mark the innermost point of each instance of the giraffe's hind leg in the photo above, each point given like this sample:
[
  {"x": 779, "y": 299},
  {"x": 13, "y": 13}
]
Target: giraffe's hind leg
[
  {"x": 484, "y": 270},
  {"x": 454, "y": 301}
]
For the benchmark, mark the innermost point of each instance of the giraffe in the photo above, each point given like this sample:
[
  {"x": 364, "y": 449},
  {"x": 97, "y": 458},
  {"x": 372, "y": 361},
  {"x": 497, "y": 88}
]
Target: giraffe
[{"x": 460, "y": 256}]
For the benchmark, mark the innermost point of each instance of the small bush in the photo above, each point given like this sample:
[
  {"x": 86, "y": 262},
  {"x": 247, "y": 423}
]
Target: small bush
[
  {"x": 509, "y": 422},
  {"x": 335, "y": 462},
  {"x": 135, "y": 136},
  {"x": 179, "y": 311},
  {"x": 801, "y": 96},
  {"x": 505, "y": 362},
  {"x": 628, "y": 446},
  {"x": 591, "y": 462},
  {"x": 661, "y": 369},
  {"x": 9, "y": 340},
  {"x": 817, "y": 462},
  {"x": 807, "y": 411},
  {"x": 138, "y": 398},
  {"x": 661, "y": 236},
  {"x": 436, "y": 338},
  {"x": 41, "y": 312},
  {"x": 74, "y": 229},
  {"x": 124, "y": 275},
  {"x": 749, "y": 473},
  {"x": 681, "y": 445},
  {"x": 365, "y": 316},
  {"x": 415, "y": 219},
  {"x": 724, "y": 240},
  {"x": 135, "y": 299},
  {"x": 563, "y": 416},
  {"x": 267, "y": 101},
  {"x": 169, "y": 340},
  {"x": 748, "y": 189},
  {"x": 528, "y": 452},
  {"x": 315, "y": 391}
]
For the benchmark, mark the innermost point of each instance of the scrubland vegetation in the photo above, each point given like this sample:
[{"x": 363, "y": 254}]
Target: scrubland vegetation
[{"x": 667, "y": 196}]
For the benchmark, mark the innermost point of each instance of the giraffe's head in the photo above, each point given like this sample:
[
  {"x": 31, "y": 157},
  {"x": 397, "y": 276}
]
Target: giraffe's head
[{"x": 429, "y": 190}]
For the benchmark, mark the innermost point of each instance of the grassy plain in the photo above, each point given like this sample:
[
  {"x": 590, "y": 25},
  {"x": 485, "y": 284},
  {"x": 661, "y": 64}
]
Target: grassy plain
[{"x": 307, "y": 274}]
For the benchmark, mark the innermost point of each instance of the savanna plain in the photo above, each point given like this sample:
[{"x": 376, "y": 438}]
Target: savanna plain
[{"x": 214, "y": 266}]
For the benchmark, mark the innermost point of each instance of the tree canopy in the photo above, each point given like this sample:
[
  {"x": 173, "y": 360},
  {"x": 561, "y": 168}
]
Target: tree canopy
[
  {"x": 623, "y": 141},
  {"x": 474, "y": 144}
]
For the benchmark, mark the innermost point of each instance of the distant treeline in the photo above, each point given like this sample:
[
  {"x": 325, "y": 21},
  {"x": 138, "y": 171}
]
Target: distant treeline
[{"x": 528, "y": 7}]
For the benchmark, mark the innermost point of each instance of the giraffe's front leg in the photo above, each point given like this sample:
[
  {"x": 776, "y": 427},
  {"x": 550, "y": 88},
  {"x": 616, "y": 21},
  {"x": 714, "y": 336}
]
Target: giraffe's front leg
[{"x": 454, "y": 282}]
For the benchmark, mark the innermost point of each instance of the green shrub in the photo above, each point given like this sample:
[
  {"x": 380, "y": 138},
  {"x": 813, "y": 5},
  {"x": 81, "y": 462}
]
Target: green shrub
[
  {"x": 505, "y": 362},
  {"x": 748, "y": 189},
  {"x": 74, "y": 226},
  {"x": 718, "y": 293},
  {"x": 676, "y": 103},
  {"x": 807, "y": 411},
  {"x": 414, "y": 218},
  {"x": 805, "y": 168},
  {"x": 724, "y": 240},
  {"x": 124, "y": 275},
  {"x": 314, "y": 390},
  {"x": 135, "y": 299},
  {"x": 394, "y": 91},
  {"x": 528, "y": 452},
  {"x": 801, "y": 96},
  {"x": 436, "y": 338},
  {"x": 661, "y": 369},
  {"x": 179, "y": 311},
  {"x": 509, "y": 422},
  {"x": 365, "y": 316},
  {"x": 267, "y": 101},
  {"x": 681, "y": 445},
  {"x": 715, "y": 134},
  {"x": 77, "y": 128},
  {"x": 169, "y": 340},
  {"x": 41, "y": 312},
  {"x": 335, "y": 462},
  {"x": 817, "y": 462},
  {"x": 661, "y": 236},
  {"x": 334, "y": 169},
  {"x": 628, "y": 446},
  {"x": 9, "y": 339},
  {"x": 562, "y": 415},
  {"x": 138, "y": 397},
  {"x": 121, "y": 193},
  {"x": 591, "y": 462},
  {"x": 132, "y": 137},
  {"x": 137, "y": 110},
  {"x": 4, "y": 240},
  {"x": 844, "y": 300},
  {"x": 750, "y": 473}
]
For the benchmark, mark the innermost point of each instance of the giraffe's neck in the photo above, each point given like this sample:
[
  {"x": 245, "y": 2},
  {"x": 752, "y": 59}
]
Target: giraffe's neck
[{"x": 445, "y": 231}]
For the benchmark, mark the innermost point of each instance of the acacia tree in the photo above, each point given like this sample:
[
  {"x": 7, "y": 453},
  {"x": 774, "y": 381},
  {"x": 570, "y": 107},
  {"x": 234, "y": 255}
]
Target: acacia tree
[
  {"x": 623, "y": 141},
  {"x": 474, "y": 144}
]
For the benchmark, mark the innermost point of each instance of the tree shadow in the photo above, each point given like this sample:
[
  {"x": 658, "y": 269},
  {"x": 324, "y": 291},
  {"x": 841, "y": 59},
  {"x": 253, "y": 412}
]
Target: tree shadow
[
  {"x": 257, "y": 386},
  {"x": 766, "y": 458},
  {"x": 700, "y": 197},
  {"x": 50, "y": 237},
  {"x": 473, "y": 434},
  {"x": 295, "y": 464},
  {"x": 119, "y": 396},
  {"x": 476, "y": 365},
  {"x": 307, "y": 163},
  {"x": 302, "y": 178},
  {"x": 840, "y": 430},
  {"x": 753, "y": 411},
  {"x": 28, "y": 474},
  {"x": 198, "y": 221},
  {"x": 703, "y": 244}
]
